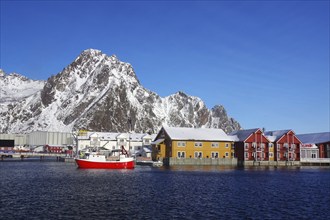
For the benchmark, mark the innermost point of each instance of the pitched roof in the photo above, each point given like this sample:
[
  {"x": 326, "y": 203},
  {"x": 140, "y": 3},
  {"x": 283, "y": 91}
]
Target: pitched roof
[
  {"x": 242, "y": 135},
  {"x": 200, "y": 134},
  {"x": 315, "y": 138},
  {"x": 276, "y": 134},
  {"x": 105, "y": 135}
]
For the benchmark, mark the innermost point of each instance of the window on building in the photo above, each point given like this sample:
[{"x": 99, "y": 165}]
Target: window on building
[
  {"x": 246, "y": 155},
  {"x": 227, "y": 145},
  {"x": 198, "y": 144},
  {"x": 181, "y": 144},
  {"x": 198, "y": 154},
  {"x": 278, "y": 146},
  {"x": 227, "y": 154},
  {"x": 214, "y": 154},
  {"x": 270, "y": 154},
  {"x": 147, "y": 141},
  {"x": 246, "y": 146},
  {"x": 286, "y": 145},
  {"x": 262, "y": 145},
  {"x": 313, "y": 155},
  {"x": 214, "y": 144},
  {"x": 181, "y": 154},
  {"x": 271, "y": 145},
  {"x": 254, "y": 144}
]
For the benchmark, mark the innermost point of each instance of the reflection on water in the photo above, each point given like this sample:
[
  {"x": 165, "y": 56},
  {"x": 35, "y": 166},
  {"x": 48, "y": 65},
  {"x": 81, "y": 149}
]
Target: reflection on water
[{"x": 55, "y": 190}]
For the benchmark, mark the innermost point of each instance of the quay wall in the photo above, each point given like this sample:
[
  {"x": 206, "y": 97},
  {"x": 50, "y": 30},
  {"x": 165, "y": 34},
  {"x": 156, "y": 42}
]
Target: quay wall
[
  {"x": 199, "y": 161},
  {"x": 271, "y": 163},
  {"x": 229, "y": 162}
]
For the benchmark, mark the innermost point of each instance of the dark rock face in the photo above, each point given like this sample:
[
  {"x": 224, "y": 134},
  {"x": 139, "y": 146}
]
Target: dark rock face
[{"x": 99, "y": 92}]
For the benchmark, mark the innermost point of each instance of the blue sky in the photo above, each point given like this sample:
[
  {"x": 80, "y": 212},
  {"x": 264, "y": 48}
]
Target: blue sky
[{"x": 267, "y": 62}]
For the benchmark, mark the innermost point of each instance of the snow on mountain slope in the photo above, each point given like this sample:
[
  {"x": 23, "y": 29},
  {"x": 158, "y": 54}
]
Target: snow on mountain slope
[
  {"x": 99, "y": 92},
  {"x": 14, "y": 87}
]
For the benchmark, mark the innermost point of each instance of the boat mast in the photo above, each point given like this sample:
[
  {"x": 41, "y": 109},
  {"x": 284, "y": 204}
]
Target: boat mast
[{"x": 129, "y": 133}]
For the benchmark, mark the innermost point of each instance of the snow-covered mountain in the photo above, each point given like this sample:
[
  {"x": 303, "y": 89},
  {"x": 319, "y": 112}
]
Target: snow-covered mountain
[
  {"x": 99, "y": 92},
  {"x": 14, "y": 87}
]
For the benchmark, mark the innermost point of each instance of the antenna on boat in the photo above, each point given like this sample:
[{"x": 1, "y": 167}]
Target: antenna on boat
[{"x": 129, "y": 132}]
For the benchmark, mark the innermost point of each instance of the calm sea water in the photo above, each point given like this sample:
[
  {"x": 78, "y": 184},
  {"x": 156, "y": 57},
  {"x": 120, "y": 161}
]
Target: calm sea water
[{"x": 57, "y": 190}]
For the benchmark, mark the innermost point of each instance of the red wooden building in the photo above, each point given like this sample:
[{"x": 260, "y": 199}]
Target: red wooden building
[
  {"x": 54, "y": 149},
  {"x": 251, "y": 145},
  {"x": 286, "y": 145}
]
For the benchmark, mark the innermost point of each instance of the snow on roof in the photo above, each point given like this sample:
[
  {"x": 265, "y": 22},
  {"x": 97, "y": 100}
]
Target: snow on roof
[
  {"x": 104, "y": 135},
  {"x": 201, "y": 134},
  {"x": 314, "y": 138},
  {"x": 136, "y": 136},
  {"x": 277, "y": 134},
  {"x": 242, "y": 135},
  {"x": 158, "y": 141}
]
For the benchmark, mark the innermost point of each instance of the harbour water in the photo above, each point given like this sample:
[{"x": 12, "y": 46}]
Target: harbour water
[{"x": 34, "y": 189}]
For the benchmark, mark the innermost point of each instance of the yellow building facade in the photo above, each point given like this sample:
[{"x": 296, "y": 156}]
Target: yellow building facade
[
  {"x": 192, "y": 143},
  {"x": 202, "y": 149}
]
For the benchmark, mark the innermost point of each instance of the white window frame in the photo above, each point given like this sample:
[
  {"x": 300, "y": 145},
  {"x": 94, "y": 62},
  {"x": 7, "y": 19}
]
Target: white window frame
[
  {"x": 246, "y": 146},
  {"x": 215, "y": 145},
  {"x": 198, "y": 154},
  {"x": 181, "y": 154},
  {"x": 215, "y": 154},
  {"x": 254, "y": 144},
  {"x": 271, "y": 154},
  {"x": 198, "y": 144},
  {"x": 278, "y": 146},
  {"x": 271, "y": 145},
  {"x": 226, "y": 154},
  {"x": 181, "y": 144},
  {"x": 226, "y": 145},
  {"x": 246, "y": 155}
]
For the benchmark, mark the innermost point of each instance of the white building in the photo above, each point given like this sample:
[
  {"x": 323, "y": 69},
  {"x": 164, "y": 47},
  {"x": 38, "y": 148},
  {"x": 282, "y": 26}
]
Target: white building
[
  {"x": 135, "y": 143},
  {"x": 308, "y": 151}
]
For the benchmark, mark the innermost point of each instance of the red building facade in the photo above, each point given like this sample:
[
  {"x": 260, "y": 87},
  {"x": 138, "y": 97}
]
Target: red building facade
[
  {"x": 286, "y": 145},
  {"x": 251, "y": 145}
]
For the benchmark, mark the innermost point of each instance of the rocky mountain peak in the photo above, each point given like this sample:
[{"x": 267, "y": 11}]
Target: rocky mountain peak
[
  {"x": 101, "y": 93},
  {"x": 2, "y": 73}
]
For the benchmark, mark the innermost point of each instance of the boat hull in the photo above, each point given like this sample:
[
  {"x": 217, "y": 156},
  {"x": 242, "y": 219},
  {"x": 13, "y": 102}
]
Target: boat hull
[{"x": 86, "y": 164}]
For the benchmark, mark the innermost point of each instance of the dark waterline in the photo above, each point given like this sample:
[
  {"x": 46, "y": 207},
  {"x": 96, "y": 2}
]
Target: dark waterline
[{"x": 56, "y": 190}]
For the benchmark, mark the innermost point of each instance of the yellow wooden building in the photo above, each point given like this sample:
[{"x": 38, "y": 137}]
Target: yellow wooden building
[{"x": 175, "y": 142}]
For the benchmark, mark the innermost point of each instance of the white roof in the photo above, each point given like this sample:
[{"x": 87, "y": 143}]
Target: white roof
[
  {"x": 271, "y": 138},
  {"x": 158, "y": 141},
  {"x": 201, "y": 134}
]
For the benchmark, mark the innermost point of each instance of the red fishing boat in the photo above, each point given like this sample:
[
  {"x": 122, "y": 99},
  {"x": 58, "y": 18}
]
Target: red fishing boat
[{"x": 118, "y": 159}]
